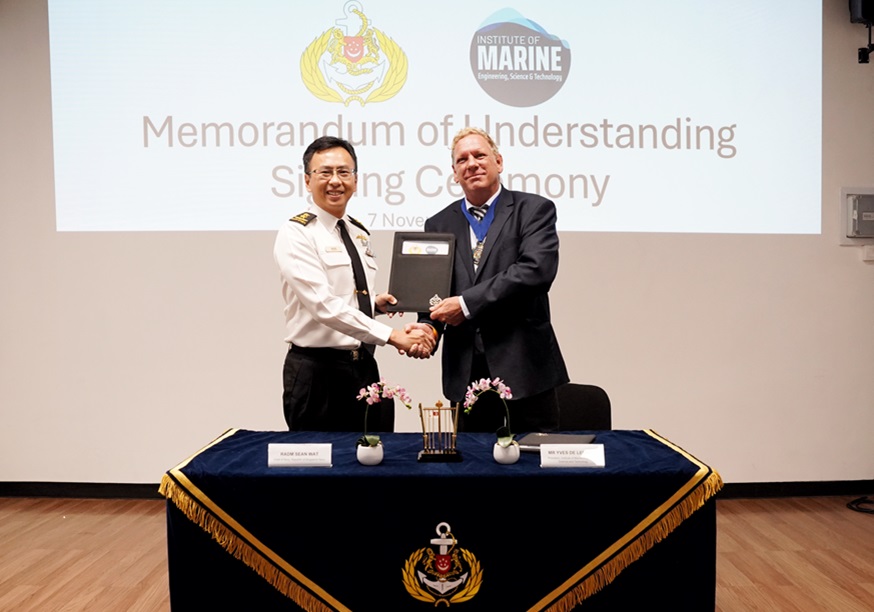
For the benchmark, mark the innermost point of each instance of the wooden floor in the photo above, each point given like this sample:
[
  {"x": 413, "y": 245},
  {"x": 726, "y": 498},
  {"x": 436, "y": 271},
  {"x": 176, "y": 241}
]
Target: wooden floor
[
  {"x": 83, "y": 554},
  {"x": 773, "y": 554},
  {"x": 809, "y": 553}
]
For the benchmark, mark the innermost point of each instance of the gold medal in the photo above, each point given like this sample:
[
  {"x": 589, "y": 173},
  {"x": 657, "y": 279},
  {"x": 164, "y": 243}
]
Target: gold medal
[{"x": 477, "y": 252}]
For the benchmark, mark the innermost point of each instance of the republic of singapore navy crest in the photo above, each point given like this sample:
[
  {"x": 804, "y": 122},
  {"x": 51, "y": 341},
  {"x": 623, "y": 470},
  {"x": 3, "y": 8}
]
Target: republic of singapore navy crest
[
  {"x": 353, "y": 62},
  {"x": 443, "y": 573}
]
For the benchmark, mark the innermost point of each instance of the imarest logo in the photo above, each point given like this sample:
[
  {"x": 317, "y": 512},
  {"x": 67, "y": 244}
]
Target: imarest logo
[
  {"x": 516, "y": 61},
  {"x": 353, "y": 62}
]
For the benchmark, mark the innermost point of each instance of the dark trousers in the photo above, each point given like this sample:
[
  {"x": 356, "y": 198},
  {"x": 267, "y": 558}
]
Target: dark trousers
[
  {"x": 534, "y": 413},
  {"x": 320, "y": 390}
]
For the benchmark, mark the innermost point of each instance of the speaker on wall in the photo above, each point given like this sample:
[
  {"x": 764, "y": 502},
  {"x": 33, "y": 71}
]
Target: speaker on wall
[{"x": 862, "y": 11}]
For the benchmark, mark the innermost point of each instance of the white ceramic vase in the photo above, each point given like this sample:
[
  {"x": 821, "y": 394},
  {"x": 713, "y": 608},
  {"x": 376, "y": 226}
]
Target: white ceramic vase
[
  {"x": 369, "y": 455},
  {"x": 506, "y": 454}
]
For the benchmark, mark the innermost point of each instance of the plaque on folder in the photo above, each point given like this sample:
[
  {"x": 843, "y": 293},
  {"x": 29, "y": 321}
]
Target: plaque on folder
[{"x": 421, "y": 270}]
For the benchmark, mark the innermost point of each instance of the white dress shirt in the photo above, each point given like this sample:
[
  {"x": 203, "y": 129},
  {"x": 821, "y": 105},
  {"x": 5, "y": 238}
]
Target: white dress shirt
[{"x": 321, "y": 309}]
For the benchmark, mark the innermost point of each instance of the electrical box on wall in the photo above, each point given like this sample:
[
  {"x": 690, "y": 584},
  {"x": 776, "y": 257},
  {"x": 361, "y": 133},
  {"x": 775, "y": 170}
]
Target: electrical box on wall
[{"x": 860, "y": 216}]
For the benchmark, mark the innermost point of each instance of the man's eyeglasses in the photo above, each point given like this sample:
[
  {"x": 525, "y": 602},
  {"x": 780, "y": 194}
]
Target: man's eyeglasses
[{"x": 326, "y": 174}]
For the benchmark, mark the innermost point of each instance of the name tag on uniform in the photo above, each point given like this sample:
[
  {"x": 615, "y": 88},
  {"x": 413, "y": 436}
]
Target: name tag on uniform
[
  {"x": 298, "y": 455},
  {"x": 333, "y": 249}
]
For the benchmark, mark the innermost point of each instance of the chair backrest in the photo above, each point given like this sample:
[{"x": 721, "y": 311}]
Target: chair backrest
[{"x": 583, "y": 407}]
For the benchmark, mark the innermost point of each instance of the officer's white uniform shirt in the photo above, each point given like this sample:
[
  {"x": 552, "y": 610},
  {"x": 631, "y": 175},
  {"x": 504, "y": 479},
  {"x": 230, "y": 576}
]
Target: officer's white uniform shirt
[{"x": 321, "y": 309}]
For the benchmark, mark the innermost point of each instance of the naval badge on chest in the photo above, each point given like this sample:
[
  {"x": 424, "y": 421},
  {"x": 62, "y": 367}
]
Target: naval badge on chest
[{"x": 365, "y": 242}]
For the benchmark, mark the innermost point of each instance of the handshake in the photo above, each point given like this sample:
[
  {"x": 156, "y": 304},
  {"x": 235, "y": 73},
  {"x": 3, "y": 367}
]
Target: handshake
[
  {"x": 416, "y": 340},
  {"x": 419, "y": 339}
]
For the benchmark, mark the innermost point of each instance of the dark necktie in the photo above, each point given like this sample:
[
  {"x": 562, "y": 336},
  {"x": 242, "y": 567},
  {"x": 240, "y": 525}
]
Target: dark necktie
[
  {"x": 357, "y": 271},
  {"x": 360, "y": 279},
  {"x": 478, "y": 212}
]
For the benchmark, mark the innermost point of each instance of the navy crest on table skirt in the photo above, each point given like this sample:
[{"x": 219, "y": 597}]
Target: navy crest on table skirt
[{"x": 354, "y": 537}]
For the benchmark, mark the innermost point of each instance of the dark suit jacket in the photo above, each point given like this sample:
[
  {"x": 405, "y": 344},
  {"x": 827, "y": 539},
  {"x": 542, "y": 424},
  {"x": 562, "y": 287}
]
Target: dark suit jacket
[{"x": 507, "y": 297}]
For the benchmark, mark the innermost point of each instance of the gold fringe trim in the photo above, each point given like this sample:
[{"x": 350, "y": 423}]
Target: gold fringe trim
[
  {"x": 608, "y": 572},
  {"x": 602, "y": 570},
  {"x": 239, "y": 548}
]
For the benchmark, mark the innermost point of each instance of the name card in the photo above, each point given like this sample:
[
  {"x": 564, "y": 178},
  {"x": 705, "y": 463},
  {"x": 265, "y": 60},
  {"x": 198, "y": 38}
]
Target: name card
[
  {"x": 298, "y": 455},
  {"x": 571, "y": 455}
]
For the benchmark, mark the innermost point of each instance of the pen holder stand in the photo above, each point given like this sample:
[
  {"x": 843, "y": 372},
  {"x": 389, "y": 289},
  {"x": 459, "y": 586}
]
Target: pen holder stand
[{"x": 439, "y": 427}]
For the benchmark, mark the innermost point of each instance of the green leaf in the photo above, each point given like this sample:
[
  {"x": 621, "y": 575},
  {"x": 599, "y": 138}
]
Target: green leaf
[
  {"x": 505, "y": 441},
  {"x": 368, "y": 440}
]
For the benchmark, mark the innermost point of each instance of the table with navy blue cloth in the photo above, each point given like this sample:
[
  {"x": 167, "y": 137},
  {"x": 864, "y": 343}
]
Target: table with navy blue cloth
[{"x": 640, "y": 531}]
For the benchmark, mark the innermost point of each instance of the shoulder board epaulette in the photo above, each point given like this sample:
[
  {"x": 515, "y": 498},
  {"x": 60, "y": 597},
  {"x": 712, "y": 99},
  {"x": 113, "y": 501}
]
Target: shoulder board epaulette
[
  {"x": 359, "y": 224},
  {"x": 303, "y": 218}
]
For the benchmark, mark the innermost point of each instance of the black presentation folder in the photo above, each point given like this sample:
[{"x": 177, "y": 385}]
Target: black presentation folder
[{"x": 421, "y": 270}]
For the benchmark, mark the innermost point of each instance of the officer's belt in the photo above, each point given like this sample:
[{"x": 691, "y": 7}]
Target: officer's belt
[{"x": 331, "y": 354}]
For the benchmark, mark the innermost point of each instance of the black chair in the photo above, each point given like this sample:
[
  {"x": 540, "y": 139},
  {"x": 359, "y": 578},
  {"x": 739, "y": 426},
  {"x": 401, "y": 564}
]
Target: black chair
[{"x": 583, "y": 407}]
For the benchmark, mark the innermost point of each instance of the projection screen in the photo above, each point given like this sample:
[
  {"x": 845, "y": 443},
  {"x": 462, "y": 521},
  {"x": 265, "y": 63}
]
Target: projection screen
[{"x": 632, "y": 115}]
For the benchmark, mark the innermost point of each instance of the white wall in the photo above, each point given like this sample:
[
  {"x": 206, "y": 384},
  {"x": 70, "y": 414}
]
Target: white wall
[{"x": 120, "y": 354}]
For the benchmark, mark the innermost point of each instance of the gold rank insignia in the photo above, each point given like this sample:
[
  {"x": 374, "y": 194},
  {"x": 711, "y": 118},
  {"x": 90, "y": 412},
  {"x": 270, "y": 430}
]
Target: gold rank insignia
[{"x": 303, "y": 218}]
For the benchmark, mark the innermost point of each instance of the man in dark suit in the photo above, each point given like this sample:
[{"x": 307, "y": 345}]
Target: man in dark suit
[{"x": 497, "y": 322}]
